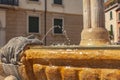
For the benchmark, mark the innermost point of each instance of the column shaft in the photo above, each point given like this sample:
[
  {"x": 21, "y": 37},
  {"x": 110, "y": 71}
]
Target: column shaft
[
  {"x": 87, "y": 13},
  {"x": 97, "y": 13}
]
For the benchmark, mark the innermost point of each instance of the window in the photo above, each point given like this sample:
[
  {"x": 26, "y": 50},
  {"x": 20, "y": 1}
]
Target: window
[
  {"x": 111, "y": 29},
  {"x": 58, "y": 2},
  {"x": 10, "y": 2},
  {"x": 58, "y": 26},
  {"x": 119, "y": 17},
  {"x": 111, "y": 15},
  {"x": 111, "y": 32},
  {"x": 33, "y": 24}
]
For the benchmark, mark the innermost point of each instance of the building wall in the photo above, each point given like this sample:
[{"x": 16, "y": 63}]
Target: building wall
[
  {"x": 16, "y": 20},
  {"x": 69, "y": 6},
  {"x": 17, "y": 24},
  {"x": 118, "y": 24},
  {"x": 32, "y": 5},
  {"x": 109, "y": 22},
  {"x": 72, "y": 27}
]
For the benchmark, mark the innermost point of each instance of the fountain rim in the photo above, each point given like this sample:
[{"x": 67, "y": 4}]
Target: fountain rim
[{"x": 75, "y": 47}]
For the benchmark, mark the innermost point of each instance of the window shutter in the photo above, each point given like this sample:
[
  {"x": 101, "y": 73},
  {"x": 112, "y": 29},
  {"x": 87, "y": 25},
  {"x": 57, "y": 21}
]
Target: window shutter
[
  {"x": 33, "y": 24},
  {"x": 57, "y": 1},
  {"x": 58, "y": 25}
]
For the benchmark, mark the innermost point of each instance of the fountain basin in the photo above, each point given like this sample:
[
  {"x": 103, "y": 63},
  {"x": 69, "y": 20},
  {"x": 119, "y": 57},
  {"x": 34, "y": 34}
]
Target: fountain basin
[{"x": 70, "y": 63}]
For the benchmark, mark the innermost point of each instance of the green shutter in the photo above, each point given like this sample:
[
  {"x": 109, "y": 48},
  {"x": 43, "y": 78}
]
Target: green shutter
[
  {"x": 111, "y": 29},
  {"x": 33, "y": 24},
  {"x": 58, "y": 26},
  {"x": 57, "y": 1},
  {"x": 111, "y": 16}
]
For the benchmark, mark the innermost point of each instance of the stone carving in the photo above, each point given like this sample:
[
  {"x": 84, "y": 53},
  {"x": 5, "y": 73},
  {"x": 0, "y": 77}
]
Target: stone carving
[{"x": 10, "y": 53}]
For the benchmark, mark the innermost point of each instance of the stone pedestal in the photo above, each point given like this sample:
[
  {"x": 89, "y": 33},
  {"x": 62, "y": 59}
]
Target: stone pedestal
[{"x": 94, "y": 32}]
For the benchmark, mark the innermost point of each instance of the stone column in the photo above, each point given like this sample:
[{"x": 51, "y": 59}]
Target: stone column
[
  {"x": 96, "y": 34},
  {"x": 87, "y": 14},
  {"x": 97, "y": 13}
]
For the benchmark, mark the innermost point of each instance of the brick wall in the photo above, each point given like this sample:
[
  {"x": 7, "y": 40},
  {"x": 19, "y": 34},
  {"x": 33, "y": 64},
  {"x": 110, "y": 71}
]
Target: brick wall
[
  {"x": 15, "y": 23},
  {"x": 72, "y": 25},
  {"x": 17, "y": 26}
]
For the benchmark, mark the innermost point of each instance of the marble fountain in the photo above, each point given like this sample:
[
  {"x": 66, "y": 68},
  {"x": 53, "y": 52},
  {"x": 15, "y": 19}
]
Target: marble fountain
[{"x": 93, "y": 59}]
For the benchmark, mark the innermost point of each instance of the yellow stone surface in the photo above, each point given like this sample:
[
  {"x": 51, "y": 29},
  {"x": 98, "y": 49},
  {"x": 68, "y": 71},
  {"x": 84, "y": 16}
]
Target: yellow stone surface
[
  {"x": 71, "y": 63},
  {"x": 94, "y": 36}
]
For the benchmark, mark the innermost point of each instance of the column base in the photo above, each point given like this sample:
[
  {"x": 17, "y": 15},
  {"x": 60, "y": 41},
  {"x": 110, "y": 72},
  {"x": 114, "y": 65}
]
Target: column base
[{"x": 94, "y": 37}]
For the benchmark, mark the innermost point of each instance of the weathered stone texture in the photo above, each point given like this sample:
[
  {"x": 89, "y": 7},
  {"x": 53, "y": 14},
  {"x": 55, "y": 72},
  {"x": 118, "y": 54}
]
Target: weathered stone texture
[{"x": 78, "y": 63}]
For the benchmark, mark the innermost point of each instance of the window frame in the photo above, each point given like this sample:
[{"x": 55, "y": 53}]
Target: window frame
[
  {"x": 57, "y": 3},
  {"x": 53, "y": 26},
  {"x": 39, "y": 32}
]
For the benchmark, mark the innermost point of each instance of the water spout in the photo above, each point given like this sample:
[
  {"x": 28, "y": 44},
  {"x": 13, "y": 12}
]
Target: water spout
[
  {"x": 49, "y": 31},
  {"x": 64, "y": 33},
  {"x": 68, "y": 39}
]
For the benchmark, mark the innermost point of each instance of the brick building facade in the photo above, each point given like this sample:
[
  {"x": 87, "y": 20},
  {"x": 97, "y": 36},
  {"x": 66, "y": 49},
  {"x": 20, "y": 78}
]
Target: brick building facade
[
  {"x": 62, "y": 20},
  {"x": 112, "y": 17}
]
